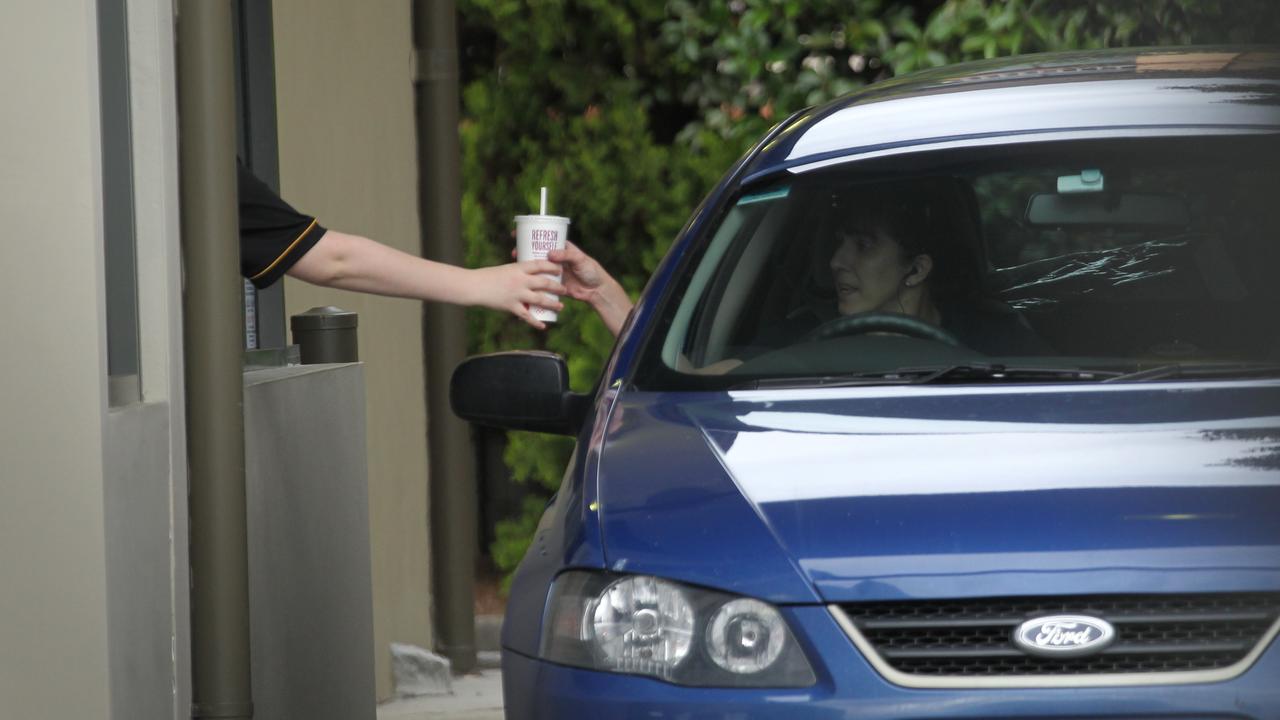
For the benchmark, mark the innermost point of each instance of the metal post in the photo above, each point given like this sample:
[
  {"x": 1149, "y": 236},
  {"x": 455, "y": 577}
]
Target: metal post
[
  {"x": 221, "y": 684},
  {"x": 451, "y": 461}
]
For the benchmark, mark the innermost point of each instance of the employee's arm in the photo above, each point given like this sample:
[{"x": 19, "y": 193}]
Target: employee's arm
[{"x": 352, "y": 262}]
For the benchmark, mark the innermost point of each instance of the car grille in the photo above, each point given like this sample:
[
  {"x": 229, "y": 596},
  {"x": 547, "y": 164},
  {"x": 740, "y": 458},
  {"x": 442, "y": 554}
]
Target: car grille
[{"x": 1154, "y": 633}]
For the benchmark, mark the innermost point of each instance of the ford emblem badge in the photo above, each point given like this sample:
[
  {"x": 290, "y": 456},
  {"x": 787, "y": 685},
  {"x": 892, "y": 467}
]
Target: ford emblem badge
[{"x": 1063, "y": 635}]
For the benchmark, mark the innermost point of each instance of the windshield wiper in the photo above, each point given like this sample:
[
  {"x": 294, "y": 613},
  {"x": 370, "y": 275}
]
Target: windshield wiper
[
  {"x": 1202, "y": 371},
  {"x": 815, "y": 381},
  {"x": 979, "y": 372},
  {"x": 995, "y": 371},
  {"x": 983, "y": 372}
]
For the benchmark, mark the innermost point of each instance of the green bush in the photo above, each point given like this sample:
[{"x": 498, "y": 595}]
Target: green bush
[{"x": 630, "y": 110}]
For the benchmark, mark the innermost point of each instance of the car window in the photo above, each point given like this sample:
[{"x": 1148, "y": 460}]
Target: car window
[
  {"x": 1111, "y": 256},
  {"x": 1176, "y": 199}
]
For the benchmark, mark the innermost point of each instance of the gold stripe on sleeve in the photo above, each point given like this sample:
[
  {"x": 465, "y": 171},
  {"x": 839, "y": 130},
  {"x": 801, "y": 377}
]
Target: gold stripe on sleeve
[{"x": 287, "y": 250}]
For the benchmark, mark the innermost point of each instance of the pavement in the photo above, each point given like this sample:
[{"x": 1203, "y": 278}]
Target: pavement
[
  {"x": 474, "y": 696},
  {"x": 477, "y": 696}
]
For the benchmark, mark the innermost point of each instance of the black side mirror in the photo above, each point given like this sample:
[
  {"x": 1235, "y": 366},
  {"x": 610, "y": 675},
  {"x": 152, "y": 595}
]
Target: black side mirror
[{"x": 517, "y": 391}]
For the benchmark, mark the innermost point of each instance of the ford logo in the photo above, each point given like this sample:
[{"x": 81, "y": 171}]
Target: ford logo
[{"x": 1064, "y": 635}]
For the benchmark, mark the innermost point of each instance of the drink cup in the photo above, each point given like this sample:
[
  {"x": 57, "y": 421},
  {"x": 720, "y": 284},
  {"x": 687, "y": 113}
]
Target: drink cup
[{"x": 537, "y": 235}]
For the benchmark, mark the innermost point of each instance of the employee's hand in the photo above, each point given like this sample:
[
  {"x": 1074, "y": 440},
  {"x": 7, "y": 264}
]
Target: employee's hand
[{"x": 516, "y": 286}]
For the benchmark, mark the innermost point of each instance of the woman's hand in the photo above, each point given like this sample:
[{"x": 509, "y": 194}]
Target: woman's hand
[
  {"x": 586, "y": 280},
  {"x": 516, "y": 286},
  {"x": 583, "y": 275}
]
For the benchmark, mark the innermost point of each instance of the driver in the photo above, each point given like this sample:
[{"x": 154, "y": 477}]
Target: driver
[
  {"x": 877, "y": 269},
  {"x": 894, "y": 254}
]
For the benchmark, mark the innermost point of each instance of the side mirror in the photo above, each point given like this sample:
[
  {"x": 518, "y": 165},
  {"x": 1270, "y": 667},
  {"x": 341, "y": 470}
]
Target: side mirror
[{"x": 517, "y": 391}]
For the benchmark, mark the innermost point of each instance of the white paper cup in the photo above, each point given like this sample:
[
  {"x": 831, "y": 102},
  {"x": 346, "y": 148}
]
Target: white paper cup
[{"x": 537, "y": 235}]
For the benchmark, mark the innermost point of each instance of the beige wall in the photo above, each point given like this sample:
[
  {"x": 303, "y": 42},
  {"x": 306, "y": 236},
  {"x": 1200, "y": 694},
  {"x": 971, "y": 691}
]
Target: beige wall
[
  {"x": 348, "y": 154},
  {"x": 53, "y": 636}
]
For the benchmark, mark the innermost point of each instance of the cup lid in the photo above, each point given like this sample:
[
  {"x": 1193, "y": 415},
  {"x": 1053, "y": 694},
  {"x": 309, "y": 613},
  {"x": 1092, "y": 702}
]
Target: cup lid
[{"x": 535, "y": 218}]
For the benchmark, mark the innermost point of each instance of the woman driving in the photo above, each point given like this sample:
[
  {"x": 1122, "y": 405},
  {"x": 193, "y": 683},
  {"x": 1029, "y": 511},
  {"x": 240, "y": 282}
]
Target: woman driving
[
  {"x": 899, "y": 261},
  {"x": 895, "y": 262},
  {"x": 875, "y": 269}
]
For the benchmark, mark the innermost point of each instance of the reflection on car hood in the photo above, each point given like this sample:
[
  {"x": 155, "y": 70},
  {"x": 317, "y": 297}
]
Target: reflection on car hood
[{"x": 877, "y": 493}]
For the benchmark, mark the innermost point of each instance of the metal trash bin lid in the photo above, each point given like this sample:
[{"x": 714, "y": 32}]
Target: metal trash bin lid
[{"x": 324, "y": 318}]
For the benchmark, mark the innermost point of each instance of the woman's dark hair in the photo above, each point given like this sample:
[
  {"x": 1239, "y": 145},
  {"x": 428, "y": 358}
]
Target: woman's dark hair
[{"x": 925, "y": 217}]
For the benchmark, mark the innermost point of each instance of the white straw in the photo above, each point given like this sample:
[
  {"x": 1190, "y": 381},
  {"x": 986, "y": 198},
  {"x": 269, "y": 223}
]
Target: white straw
[{"x": 542, "y": 209}]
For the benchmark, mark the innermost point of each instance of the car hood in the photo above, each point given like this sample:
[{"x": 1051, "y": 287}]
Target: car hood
[{"x": 881, "y": 493}]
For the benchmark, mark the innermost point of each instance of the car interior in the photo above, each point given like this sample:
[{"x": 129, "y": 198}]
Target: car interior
[{"x": 1115, "y": 253}]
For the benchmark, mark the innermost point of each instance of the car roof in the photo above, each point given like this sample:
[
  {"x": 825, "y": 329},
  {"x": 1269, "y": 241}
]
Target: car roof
[{"x": 1051, "y": 96}]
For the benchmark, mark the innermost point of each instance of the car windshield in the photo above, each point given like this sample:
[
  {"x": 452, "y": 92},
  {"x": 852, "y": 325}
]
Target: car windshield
[{"x": 1087, "y": 260}]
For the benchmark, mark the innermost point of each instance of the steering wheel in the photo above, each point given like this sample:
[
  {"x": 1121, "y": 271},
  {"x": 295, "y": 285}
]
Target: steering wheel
[{"x": 876, "y": 322}]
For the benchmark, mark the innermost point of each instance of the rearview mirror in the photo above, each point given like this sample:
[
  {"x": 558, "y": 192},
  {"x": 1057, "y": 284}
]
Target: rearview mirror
[
  {"x": 1107, "y": 209},
  {"x": 517, "y": 391}
]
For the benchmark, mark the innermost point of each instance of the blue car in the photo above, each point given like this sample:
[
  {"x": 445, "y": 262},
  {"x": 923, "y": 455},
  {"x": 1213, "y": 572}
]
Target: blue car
[{"x": 957, "y": 397}]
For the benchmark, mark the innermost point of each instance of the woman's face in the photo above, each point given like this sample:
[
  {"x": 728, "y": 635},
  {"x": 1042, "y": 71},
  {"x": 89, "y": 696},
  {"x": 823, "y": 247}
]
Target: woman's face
[{"x": 869, "y": 270}]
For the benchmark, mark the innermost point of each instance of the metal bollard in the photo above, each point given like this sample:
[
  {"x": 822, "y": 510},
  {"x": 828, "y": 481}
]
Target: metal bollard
[{"x": 326, "y": 335}]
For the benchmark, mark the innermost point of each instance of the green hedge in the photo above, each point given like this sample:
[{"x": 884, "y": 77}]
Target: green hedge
[{"x": 630, "y": 110}]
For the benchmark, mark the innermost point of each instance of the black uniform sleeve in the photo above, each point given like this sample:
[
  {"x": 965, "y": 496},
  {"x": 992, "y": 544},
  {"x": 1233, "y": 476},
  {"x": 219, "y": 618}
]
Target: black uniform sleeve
[{"x": 273, "y": 236}]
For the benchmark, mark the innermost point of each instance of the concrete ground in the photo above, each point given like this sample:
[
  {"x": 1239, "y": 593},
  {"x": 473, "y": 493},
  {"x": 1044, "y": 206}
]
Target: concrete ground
[{"x": 475, "y": 697}]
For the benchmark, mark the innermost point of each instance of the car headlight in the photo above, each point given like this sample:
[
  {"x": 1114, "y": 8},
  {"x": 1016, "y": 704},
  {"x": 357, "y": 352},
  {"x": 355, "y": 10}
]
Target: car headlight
[{"x": 685, "y": 635}]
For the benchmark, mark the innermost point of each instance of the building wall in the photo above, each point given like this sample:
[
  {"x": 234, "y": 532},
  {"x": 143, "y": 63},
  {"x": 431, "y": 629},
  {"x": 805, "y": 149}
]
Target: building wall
[
  {"x": 140, "y": 587},
  {"x": 93, "y": 503},
  {"x": 53, "y": 639},
  {"x": 148, "y": 575},
  {"x": 345, "y": 119}
]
